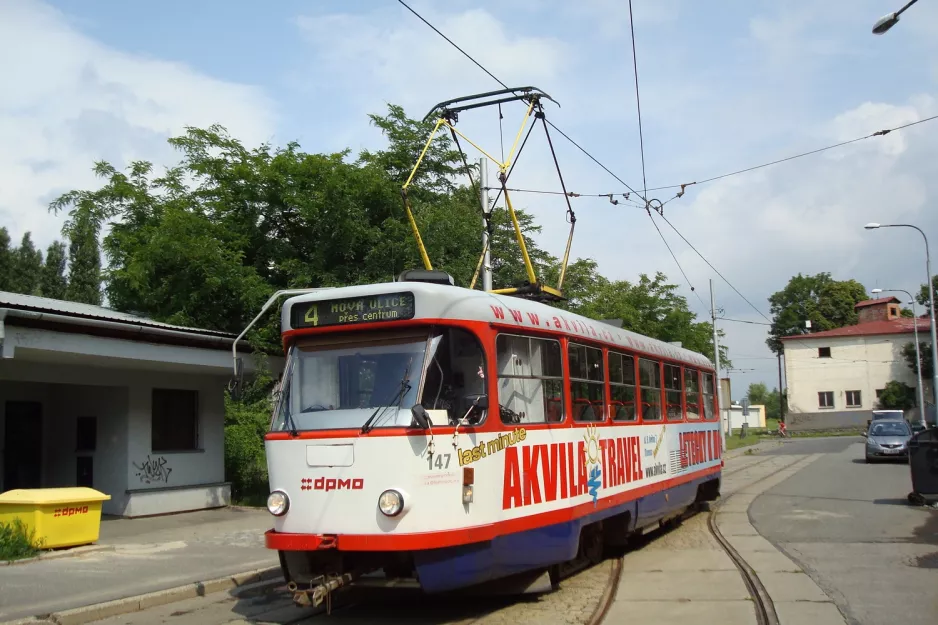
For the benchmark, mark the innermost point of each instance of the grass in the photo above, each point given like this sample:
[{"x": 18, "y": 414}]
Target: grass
[
  {"x": 757, "y": 435},
  {"x": 17, "y": 541}
]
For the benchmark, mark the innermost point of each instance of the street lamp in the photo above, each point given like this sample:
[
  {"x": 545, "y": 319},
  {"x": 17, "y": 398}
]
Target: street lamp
[
  {"x": 888, "y": 21},
  {"x": 931, "y": 303},
  {"x": 918, "y": 357}
]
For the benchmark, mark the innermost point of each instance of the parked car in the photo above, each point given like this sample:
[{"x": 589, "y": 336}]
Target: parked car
[
  {"x": 884, "y": 414},
  {"x": 888, "y": 438}
]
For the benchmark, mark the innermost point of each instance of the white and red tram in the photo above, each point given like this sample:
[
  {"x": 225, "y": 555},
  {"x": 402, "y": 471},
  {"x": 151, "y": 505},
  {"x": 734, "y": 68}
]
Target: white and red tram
[{"x": 451, "y": 436}]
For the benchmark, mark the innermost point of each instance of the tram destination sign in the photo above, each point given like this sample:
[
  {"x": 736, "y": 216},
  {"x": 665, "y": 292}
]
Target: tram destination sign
[{"x": 353, "y": 310}]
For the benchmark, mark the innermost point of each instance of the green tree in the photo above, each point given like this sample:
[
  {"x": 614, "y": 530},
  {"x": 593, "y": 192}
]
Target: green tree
[
  {"x": 84, "y": 260},
  {"x": 922, "y": 297},
  {"x": 897, "y": 396},
  {"x": 27, "y": 268},
  {"x": 825, "y": 302},
  {"x": 54, "y": 283},
  {"x": 7, "y": 261},
  {"x": 758, "y": 393},
  {"x": 906, "y": 313},
  {"x": 908, "y": 353}
]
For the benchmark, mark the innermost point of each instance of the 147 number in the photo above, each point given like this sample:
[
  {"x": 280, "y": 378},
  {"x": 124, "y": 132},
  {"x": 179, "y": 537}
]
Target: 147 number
[{"x": 436, "y": 461}]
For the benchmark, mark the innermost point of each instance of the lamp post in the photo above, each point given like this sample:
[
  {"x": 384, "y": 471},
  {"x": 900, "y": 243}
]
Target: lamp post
[
  {"x": 918, "y": 357},
  {"x": 888, "y": 21},
  {"x": 931, "y": 303}
]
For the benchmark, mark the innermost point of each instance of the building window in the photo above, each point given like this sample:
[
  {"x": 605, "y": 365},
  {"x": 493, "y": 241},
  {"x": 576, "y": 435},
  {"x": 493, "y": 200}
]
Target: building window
[
  {"x": 174, "y": 420},
  {"x": 530, "y": 379},
  {"x": 823, "y": 352},
  {"x": 587, "y": 383},
  {"x": 86, "y": 434},
  {"x": 853, "y": 399},
  {"x": 649, "y": 377},
  {"x": 622, "y": 386},
  {"x": 825, "y": 399},
  {"x": 673, "y": 392}
]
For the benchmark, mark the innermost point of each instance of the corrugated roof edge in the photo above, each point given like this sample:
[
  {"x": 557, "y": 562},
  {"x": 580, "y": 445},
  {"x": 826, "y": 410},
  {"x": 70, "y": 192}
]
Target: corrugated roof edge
[{"x": 62, "y": 308}]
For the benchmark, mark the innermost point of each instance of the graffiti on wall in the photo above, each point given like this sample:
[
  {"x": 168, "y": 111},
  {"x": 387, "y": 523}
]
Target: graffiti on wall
[{"x": 153, "y": 470}]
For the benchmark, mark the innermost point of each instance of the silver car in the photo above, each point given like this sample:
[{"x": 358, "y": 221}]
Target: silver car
[{"x": 888, "y": 438}]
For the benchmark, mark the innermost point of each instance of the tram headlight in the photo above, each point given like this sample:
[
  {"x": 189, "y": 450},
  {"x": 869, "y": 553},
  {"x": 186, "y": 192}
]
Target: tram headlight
[
  {"x": 278, "y": 503},
  {"x": 391, "y": 502}
]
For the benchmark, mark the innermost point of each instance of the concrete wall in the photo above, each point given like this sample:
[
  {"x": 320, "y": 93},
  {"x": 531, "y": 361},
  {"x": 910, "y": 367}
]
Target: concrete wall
[
  {"x": 755, "y": 419},
  {"x": 121, "y": 399},
  {"x": 856, "y": 363}
]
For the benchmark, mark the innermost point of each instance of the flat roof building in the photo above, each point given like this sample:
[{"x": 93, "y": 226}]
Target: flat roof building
[{"x": 129, "y": 406}]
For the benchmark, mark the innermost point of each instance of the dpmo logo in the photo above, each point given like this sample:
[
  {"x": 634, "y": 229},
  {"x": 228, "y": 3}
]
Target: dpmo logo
[{"x": 70, "y": 511}]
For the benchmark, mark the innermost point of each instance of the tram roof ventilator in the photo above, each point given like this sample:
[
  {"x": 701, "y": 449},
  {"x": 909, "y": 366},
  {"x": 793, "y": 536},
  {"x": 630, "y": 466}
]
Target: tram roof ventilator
[{"x": 427, "y": 275}]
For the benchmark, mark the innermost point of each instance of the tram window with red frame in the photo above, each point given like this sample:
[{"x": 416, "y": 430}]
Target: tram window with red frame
[
  {"x": 530, "y": 379},
  {"x": 692, "y": 394},
  {"x": 649, "y": 379},
  {"x": 708, "y": 395},
  {"x": 622, "y": 386},
  {"x": 587, "y": 382},
  {"x": 672, "y": 392}
]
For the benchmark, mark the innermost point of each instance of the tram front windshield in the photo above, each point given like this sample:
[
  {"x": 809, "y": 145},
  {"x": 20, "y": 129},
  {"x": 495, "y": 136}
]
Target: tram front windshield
[{"x": 340, "y": 382}]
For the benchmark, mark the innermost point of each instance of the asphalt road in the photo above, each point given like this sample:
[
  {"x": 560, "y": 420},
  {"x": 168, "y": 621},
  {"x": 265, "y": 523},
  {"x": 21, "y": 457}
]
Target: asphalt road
[{"x": 849, "y": 525}]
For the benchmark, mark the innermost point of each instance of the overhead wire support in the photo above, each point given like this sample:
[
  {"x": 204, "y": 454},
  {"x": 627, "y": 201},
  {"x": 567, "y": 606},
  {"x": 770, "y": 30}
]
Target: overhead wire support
[{"x": 638, "y": 104}]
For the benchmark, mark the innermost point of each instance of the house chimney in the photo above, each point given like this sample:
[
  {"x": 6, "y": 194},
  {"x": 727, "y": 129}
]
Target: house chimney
[{"x": 885, "y": 309}]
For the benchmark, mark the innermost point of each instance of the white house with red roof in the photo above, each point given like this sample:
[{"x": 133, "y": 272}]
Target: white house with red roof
[{"x": 834, "y": 377}]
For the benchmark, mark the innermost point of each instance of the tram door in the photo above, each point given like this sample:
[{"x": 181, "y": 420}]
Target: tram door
[{"x": 22, "y": 445}]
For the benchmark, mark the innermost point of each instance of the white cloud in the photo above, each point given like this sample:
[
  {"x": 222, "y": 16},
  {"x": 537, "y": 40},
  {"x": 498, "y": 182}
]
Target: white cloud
[{"x": 67, "y": 100}]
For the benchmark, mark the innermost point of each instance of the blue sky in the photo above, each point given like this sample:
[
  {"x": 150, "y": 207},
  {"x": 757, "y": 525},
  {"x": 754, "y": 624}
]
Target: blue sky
[{"x": 724, "y": 86}]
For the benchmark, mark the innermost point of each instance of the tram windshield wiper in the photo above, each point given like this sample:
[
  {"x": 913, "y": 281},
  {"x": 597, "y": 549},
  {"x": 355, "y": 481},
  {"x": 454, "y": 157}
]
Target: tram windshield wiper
[{"x": 397, "y": 398}]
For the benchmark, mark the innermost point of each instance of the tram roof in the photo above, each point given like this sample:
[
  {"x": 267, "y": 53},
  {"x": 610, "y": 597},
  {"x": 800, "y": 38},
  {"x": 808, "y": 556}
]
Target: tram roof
[{"x": 436, "y": 301}]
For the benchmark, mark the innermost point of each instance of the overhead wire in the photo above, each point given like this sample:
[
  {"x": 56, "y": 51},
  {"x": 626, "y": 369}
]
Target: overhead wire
[
  {"x": 878, "y": 133},
  {"x": 638, "y": 104},
  {"x": 676, "y": 261}
]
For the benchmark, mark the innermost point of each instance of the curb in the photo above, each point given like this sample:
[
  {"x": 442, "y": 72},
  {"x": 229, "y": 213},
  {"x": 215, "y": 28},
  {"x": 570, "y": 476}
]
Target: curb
[
  {"x": 55, "y": 555},
  {"x": 127, "y": 605}
]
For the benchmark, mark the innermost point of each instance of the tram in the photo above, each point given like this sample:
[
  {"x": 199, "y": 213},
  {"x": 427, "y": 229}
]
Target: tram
[{"x": 445, "y": 437}]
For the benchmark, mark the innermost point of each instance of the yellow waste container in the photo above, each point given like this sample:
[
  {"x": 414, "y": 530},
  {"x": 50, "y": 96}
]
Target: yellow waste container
[{"x": 61, "y": 517}]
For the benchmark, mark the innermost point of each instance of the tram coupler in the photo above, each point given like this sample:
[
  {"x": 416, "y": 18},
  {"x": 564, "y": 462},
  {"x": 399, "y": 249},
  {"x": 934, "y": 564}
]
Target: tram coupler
[{"x": 314, "y": 596}]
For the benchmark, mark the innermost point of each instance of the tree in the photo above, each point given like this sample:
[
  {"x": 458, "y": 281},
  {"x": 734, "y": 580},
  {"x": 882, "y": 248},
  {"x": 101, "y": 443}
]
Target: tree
[
  {"x": 759, "y": 394},
  {"x": 897, "y": 396},
  {"x": 922, "y": 297},
  {"x": 84, "y": 260},
  {"x": 53, "y": 282},
  {"x": 906, "y": 313},
  {"x": 7, "y": 261},
  {"x": 908, "y": 352},
  {"x": 826, "y": 302},
  {"x": 27, "y": 268}
]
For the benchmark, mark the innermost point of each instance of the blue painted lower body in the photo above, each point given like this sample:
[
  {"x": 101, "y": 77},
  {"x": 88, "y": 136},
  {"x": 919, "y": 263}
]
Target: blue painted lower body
[{"x": 467, "y": 565}]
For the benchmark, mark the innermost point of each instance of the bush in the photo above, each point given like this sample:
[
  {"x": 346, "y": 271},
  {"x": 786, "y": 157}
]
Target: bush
[{"x": 17, "y": 541}]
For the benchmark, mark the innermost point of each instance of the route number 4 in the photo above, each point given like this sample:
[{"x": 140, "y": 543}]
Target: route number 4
[{"x": 436, "y": 461}]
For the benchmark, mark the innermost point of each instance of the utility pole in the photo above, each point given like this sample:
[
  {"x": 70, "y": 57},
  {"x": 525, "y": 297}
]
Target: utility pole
[
  {"x": 716, "y": 363},
  {"x": 487, "y": 212}
]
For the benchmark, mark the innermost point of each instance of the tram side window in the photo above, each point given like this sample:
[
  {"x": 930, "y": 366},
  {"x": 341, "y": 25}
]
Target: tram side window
[
  {"x": 530, "y": 379},
  {"x": 649, "y": 378},
  {"x": 692, "y": 394},
  {"x": 587, "y": 383},
  {"x": 708, "y": 396},
  {"x": 622, "y": 386},
  {"x": 673, "y": 392},
  {"x": 454, "y": 376}
]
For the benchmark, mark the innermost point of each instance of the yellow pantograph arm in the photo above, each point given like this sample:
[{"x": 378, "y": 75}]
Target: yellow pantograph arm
[
  {"x": 524, "y": 249},
  {"x": 423, "y": 153},
  {"x": 511, "y": 152}
]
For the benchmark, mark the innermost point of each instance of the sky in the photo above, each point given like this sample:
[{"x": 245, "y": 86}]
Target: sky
[{"x": 723, "y": 86}]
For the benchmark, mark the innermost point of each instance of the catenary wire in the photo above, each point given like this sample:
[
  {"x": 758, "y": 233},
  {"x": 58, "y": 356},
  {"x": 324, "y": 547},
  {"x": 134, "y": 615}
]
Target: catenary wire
[
  {"x": 878, "y": 133},
  {"x": 676, "y": 261},
  {"x": 638, "y": 104},
  {"x": 496, "y": 79}
]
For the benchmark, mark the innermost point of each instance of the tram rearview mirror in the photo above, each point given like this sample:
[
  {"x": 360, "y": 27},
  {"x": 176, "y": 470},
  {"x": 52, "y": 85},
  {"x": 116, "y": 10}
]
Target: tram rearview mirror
[{"x": 421, "y": 417}]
